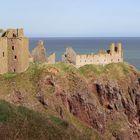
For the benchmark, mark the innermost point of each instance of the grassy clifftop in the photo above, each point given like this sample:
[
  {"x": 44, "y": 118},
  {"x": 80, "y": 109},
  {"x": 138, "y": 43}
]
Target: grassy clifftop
[{"x": 114, "y": 70}]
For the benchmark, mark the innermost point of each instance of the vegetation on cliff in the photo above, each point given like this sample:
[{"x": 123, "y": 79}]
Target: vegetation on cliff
[{"x": 62, "y": 102}]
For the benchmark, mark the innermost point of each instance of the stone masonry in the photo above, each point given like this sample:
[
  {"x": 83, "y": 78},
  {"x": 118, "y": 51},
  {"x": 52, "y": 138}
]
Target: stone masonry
[
  {"x": 14, "y": 51},
  {"x": 114, "y": 55},
  {"x": 39, "y": 53}
]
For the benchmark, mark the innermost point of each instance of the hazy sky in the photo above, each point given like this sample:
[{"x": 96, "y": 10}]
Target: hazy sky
[{"x": 62, "y": 18}]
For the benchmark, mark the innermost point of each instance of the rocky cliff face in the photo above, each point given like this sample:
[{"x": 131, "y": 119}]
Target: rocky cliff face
[{"x": 104, "y": 99}]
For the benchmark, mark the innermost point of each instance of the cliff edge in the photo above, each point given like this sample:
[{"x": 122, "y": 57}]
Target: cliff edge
[{"x": 61, "y": 102}]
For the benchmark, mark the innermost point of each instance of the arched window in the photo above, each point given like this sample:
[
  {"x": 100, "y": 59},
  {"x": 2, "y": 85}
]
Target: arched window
[
  {"x": 3, "y": 54},
  {"x": 15, "y": 57}
]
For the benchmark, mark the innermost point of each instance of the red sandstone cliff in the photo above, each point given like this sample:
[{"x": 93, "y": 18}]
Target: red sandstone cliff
[{"x": 107, "y": 99}]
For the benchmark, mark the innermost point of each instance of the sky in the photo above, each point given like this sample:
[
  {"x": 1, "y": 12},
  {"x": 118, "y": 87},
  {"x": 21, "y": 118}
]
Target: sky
[{"x": 72, "y": 18}]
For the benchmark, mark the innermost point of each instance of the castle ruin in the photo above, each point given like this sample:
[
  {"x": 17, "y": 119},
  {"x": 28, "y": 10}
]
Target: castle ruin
[
  {"x": 114, "y": 55},
  {"x": 15, "y": 56},
  {"x": 38, "y": 54},
  {"x": 14, "y": 51}
]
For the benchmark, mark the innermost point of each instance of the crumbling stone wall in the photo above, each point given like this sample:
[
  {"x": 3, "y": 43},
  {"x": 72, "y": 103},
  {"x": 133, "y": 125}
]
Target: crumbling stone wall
[
  {"x": 69, "y": 56},
  {"x": 114, "y": 55},
  {"x": 39, "y": 53}
]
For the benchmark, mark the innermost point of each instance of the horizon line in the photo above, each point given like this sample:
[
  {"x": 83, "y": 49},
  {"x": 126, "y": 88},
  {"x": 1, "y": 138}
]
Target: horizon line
[{"x": 83, "y": 37}]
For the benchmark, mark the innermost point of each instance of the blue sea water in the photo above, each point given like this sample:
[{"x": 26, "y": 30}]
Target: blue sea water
[{"x": 131, "y": 46}]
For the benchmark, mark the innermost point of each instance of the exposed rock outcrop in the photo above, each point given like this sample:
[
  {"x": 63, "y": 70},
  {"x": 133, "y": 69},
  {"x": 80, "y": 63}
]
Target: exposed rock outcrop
[
  {"x": 110, "y": 106},
  {"x": 106, "y": 99}
]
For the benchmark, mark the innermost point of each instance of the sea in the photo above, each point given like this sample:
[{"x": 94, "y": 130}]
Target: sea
[{"x": 131, "y": 46}]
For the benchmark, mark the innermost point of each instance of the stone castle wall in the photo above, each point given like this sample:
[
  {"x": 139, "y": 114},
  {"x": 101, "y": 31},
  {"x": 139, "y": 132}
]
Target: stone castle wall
[
  {"x": 15, "y": 48},
  {"x": 114, "y": 55},
  {"x": 18, "y": 54},
  {"x": 3, "y": 55},
  {"x": 15, "y": 56}
]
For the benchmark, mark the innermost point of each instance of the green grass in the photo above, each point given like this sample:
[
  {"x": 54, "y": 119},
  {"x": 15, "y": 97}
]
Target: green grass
[
  {"x": 122, "y": 67},
  {"x": 64, "y": 67},
  {"x": 34, "y": 70},
  {"x": 6, "y": 111},
  {"x": 9, "y": 75},
  {"x": 58, "y": 121},
  {"x": 24, "y": 124},
  {"x": 113, "y": 70},
  {"x": 91, "y": 69}
]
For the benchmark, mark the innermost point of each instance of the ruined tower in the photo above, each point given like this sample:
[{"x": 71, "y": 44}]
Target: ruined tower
[
  {"x": 15, "y": 51},
  {"x": 120, "y": 50},
  {"x": 112, "y": 48}
]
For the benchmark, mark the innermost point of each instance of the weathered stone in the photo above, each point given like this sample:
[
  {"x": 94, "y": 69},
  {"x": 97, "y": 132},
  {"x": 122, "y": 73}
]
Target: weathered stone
[
  {"x": 51, "y": 59},
  {"x": 114, "y": 55},
  {"x": 69, "y": 56},
  {"x": 14, "y": 51},
  {"x": 39, "y": 53}
]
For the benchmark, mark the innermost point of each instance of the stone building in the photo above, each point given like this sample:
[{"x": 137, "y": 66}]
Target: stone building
[
  {"x": 14, "y": 51},
  {"x": 114, "y": 55}
]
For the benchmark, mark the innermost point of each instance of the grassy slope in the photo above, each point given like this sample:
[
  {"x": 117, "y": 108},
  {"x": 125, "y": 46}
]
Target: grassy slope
[{"x": 22, "y": 123}]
